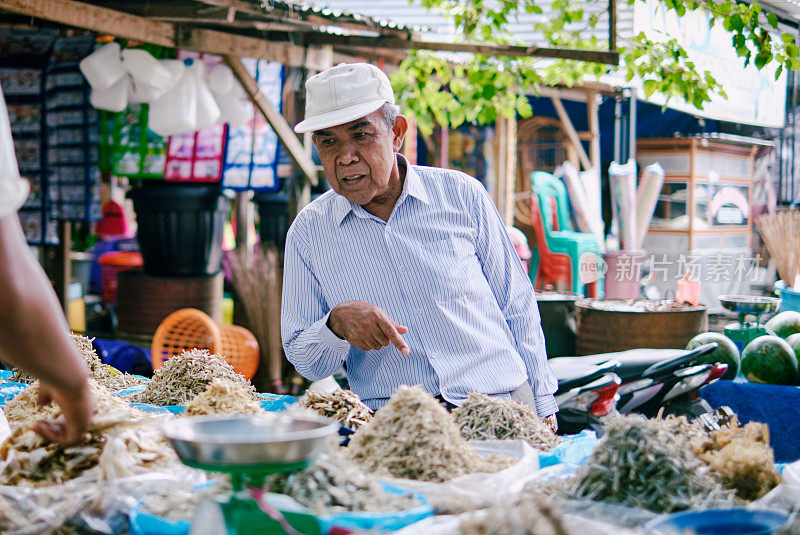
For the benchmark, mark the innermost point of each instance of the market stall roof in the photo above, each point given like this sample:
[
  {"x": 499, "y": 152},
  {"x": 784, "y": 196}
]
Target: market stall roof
[{"x": 288, "y": 31}]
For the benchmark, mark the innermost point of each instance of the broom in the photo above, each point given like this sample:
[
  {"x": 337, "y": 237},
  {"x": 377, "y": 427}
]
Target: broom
[
  {"x": 781, "y": 235},
  {"x": 257, "y": 279}
]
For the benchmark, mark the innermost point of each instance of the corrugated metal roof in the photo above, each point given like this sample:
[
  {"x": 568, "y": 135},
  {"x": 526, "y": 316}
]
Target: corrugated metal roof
[{"x": 440, "y": 28}]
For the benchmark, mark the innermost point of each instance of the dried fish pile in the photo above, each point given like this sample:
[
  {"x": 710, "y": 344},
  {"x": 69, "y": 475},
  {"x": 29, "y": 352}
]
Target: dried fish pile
[
  {"x": 114, "y": 446},
  {"x": 104, "y": 374},
  {"x": 42, "y": 510},
  {"x": 180, "y": 504},
  {"x": 482, "y": 417},
  {"x": 344, "y": 406},
  {"x": 414, "y": 437},
  {"x": 335, "y": 485},
  {"x": 184, "y": 376},
  {"x": 224, "y": 396},
  {"x": 743, "y": 460},
  {"x": 24, "y": 410},
  {"x": 645, "y": 463},
  {"x": 527, "y": 516}
]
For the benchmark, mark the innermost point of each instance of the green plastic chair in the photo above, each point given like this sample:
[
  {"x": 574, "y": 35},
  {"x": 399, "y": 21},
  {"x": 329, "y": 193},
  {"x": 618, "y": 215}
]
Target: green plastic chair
[{"x": 560, "y": 237}]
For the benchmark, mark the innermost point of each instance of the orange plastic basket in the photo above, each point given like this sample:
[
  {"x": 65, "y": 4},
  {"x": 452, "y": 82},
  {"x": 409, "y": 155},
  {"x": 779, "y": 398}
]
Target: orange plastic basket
[{"x": 189, "y": 328}]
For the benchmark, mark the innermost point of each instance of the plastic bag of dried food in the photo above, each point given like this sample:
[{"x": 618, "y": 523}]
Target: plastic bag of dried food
[
  {"x": 95, "y": 507},
  {"x": 481, "y": 489},
  {"x": 360, "y": 520},
  {"x": 9, "y": 390},
  {"x": 575, "y": 450}
]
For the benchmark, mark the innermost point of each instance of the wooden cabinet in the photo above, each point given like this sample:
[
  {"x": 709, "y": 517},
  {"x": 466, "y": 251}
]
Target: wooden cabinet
[{"x": 705, "y": 200}]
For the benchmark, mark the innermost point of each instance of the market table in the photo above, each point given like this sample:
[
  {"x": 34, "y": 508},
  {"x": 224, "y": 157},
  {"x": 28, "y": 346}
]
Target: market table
[{"x": 775, "y": 405}]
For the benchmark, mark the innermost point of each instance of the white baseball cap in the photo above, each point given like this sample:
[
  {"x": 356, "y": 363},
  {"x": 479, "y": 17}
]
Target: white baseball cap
[{"x": 342, "y": 94}]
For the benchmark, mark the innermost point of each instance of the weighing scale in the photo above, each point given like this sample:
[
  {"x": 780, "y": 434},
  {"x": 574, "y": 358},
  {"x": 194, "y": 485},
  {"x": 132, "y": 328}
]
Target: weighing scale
[
  {"x": 747, "y": 305},
  {"x": 249, "y": 448}
]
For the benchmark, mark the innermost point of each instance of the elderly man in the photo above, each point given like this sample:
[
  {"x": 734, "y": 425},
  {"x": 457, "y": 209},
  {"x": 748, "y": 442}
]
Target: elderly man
[
  {"x": 33, "y": 332},
  {"x": 404, "y": 274}
]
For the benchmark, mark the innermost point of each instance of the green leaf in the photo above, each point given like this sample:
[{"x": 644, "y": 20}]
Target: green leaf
[
  {"x": 772, "y": 20},
  {"x": 650, "y": 87},
  {"x": 778, "y": 72}
]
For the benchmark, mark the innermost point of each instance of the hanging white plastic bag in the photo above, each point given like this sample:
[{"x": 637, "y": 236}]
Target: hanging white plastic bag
[
  {"x": 220, "y": 79},
  {"x": 103, "y": 67},
  {"x": 208, "y": 112},
  {"x": 146, "y": 70},
  {"x": 113, "y": 98},
  {"x": 176, "y": 111},
  {"x": 176, "y": 68}
]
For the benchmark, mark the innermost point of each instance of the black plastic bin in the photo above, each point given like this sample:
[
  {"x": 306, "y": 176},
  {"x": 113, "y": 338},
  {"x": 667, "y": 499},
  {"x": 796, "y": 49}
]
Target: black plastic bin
[
  {"x": 180, "y": 227},
  {"x": 273, "y": 214}
]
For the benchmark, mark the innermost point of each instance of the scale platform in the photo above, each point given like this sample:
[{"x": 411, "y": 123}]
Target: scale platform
[{"x": 249, "y": 448}]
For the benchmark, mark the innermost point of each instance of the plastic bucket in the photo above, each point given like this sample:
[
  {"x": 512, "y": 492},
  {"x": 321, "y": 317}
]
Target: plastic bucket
[
  {"x": 111, "y": 264},
  {"x": 790, "y": 299},
  {"x": 623, "y": 274},
  {"x": 180, "y": 228}
]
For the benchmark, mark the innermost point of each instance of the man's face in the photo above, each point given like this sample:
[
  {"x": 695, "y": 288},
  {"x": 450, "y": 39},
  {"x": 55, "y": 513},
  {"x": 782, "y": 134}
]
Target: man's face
[{"x": 359, "y": 158}]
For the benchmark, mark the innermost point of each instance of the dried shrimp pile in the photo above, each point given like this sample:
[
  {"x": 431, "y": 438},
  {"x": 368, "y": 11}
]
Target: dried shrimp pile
[
  {"x": 113, "y": 447},
  {"x": 414, "y": 437},
  {"x": 23, "y": 409},
  {"x": 224, "y": 396},
  {"x": 104, "y": 374},
  {"x": 184, "y": 376},
  {"x": 344, "y": 406},
  {"x": 742, "y": 460},
  {"x": 334, "y": 485},
  {"x": 646, "y": 463},
  {"x": 482, "y": 417},
  {"x": 528, "y": 516}
]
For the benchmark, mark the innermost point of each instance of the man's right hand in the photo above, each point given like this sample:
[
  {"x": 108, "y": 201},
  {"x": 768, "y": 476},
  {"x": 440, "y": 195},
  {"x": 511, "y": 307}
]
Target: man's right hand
[
  {"x": 76, "y": 408},
  {"x": 366, "y": 326}
]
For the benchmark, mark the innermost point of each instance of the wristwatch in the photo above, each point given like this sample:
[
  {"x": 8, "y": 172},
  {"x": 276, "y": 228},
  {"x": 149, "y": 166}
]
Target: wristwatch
[{"x": 552, "y": 422}]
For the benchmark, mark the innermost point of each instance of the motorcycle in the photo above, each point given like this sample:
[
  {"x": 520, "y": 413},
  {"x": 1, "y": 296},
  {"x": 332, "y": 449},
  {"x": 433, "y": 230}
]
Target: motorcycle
[
  {"x": 652, "y": 382},
  {"x": 586, "y": 392}
]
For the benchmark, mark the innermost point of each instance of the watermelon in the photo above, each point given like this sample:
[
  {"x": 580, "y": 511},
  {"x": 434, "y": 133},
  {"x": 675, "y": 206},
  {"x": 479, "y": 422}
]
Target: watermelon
[
  {"x": 726, "y": 352},
  {"x": 794, "y": 342},
  {"x": 785, "y": 323},
  {"x": 769, "y": 359}
]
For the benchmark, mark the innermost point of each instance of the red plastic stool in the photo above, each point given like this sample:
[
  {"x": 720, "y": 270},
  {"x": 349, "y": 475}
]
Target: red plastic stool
[{"x": 112, "y": 263}]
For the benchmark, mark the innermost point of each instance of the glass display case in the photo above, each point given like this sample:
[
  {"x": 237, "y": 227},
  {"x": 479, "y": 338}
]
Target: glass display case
[{"x": 705, "y": 200}]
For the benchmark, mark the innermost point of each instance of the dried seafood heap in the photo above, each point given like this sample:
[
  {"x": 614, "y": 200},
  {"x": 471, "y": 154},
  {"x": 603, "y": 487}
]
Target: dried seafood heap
[
  {"x": 181, "y": 504},
  {"x": 184, "y": 376},
  {"x": 344, "y": 406},
  {"x": 414, "y": 437},
  {"x": 23, "y": 409},
  {"x": 742, "y": 459},
  {"x": 482, "y": 417},
  {"x": 114, "y": 446},
  {"x": 334, "y": 485},
  {"x": 104, "y": 374},
  {"x": 527, "y": 516},
  {"x": 224, "y": 396},
  {"x": 648, "y": 464}
]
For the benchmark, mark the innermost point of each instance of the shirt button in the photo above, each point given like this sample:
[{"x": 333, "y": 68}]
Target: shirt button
[
  {"x": 432, "y": 355},
  {"x": 418, "y": 312},
  {"x": 401, "y": 268}
]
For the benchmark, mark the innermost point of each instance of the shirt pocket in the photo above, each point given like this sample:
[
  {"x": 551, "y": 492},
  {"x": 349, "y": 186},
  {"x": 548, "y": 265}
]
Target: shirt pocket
[{"x": 447, "y": 264}]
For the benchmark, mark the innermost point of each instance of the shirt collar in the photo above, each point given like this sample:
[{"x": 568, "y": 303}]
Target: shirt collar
[{"x": 412, "y": 186}]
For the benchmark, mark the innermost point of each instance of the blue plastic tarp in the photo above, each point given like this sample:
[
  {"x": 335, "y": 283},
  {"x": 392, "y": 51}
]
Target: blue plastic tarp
[
  {"x": 9, "y": 390},
  {"x": 575, "y": 450}
]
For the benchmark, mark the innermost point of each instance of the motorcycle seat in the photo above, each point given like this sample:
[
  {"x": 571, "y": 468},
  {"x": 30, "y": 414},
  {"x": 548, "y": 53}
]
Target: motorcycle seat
[{"x": 632, "y": 363}]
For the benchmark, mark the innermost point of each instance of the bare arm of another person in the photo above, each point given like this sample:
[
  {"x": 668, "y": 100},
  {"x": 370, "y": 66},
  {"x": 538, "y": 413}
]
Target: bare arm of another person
[{"x": 35, "y": 338}]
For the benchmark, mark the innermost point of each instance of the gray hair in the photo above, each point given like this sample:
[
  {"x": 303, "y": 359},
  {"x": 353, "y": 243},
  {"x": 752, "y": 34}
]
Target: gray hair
[{"x": 389, "y": 113}]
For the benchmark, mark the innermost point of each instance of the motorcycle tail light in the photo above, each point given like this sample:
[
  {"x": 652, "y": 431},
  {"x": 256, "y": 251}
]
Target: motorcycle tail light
[
  {"x": 717, "y": 370},
  {"x": 606, "y": 400}
]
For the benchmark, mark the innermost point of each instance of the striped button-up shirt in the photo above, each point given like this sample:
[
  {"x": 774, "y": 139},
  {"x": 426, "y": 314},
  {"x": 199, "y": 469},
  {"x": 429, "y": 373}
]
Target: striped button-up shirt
[{"x": 443, "y": 266}]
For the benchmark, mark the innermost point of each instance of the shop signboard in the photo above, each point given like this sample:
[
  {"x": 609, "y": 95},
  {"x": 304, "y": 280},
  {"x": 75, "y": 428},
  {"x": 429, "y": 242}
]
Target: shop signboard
[{"x": 754, "y": 96}]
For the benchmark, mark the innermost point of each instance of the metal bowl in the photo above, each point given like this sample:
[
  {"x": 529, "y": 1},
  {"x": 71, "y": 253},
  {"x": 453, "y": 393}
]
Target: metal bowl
[
  {"x": 749, "y": 304},
  {"x": 273, "y": 441}
]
